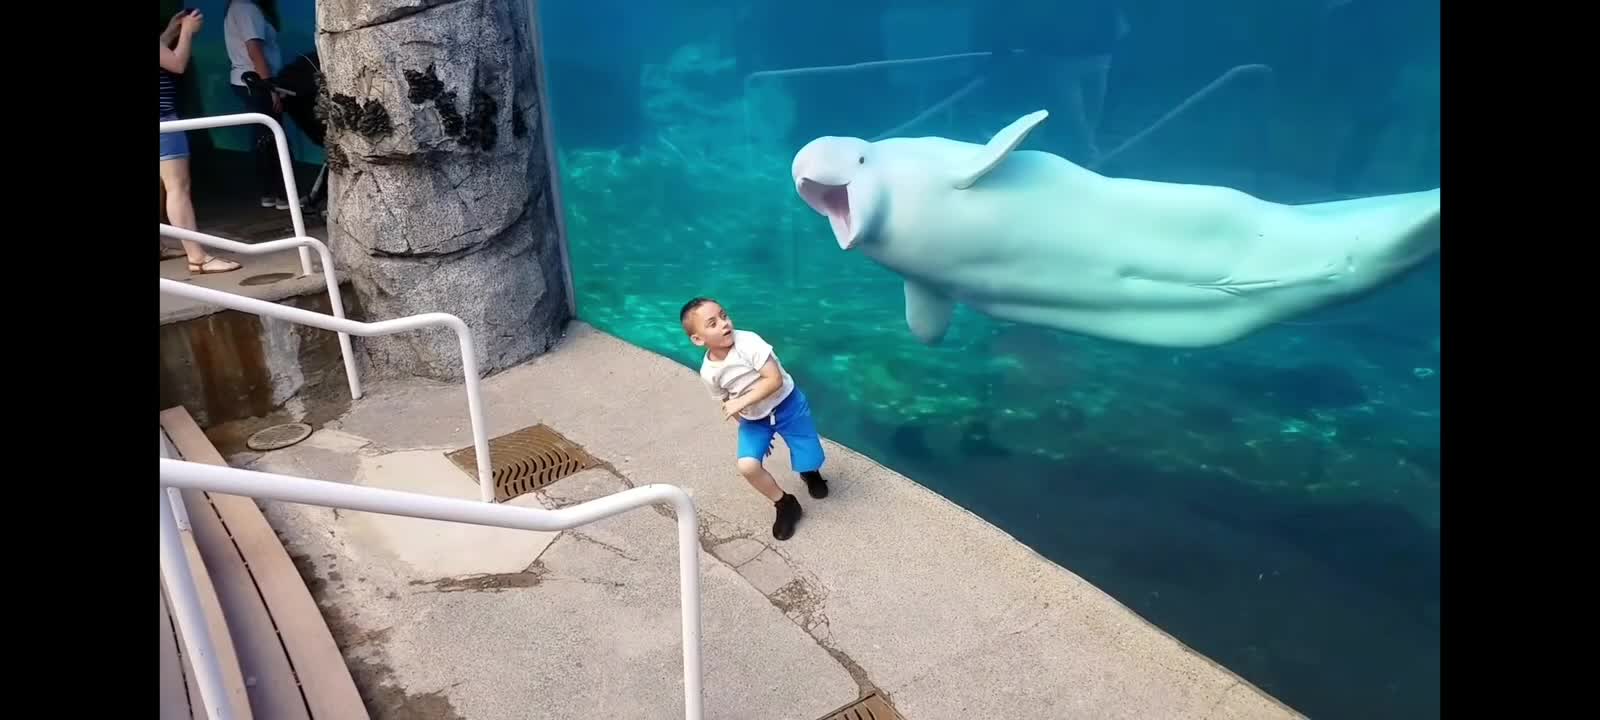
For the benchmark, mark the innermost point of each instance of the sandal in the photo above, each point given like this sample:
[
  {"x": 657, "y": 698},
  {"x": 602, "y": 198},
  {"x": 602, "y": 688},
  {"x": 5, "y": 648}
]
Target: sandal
[
  {"x": 212, "y": 265},
  {"x": 171, "y": 253}
]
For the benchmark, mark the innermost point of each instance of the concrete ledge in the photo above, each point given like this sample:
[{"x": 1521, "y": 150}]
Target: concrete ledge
[
  {"x": 440, "y": 549},
  {"x": 886, "y": 586},
  {"x": 226, "y": 365},
  {"x": 243, "y": 282}
]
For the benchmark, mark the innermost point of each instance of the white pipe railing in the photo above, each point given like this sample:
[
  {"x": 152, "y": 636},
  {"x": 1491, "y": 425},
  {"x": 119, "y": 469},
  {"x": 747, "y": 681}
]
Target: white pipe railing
[
  {"x": 469, "y": 355},
  {"x": 933, "y": 109},
  {"x": 328, "y": 274},
  {"x": 184, "y": 601},
  {"x": 1181, "y": 108},
  {"x": 285, "y": 161},
  {"x": 178, "y": 509},
  {"x": 233, "y": 481},
  {"x": 851, "y": 67}
]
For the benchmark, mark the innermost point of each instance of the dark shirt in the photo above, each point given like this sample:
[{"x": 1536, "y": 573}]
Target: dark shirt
[{"x": 169, "y": 92}]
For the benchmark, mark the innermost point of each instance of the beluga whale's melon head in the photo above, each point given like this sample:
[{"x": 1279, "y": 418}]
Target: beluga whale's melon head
[
  {"x": 850, "y": 181},
  {"x": 836, "y": 176}
]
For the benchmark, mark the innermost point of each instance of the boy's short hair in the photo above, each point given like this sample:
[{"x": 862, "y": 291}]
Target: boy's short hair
[{"x": 688, "y": 307}]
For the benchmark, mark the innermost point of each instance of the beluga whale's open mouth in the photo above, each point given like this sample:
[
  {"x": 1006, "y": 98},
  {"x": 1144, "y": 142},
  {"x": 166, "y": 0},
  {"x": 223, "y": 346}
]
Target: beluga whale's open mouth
[
  {"x": 833, "y": 202},
  {"x": 835, "y": 177}
]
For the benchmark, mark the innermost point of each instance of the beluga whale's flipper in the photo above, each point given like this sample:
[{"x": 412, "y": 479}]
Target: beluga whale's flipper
[{"x": 998, "y": 148}]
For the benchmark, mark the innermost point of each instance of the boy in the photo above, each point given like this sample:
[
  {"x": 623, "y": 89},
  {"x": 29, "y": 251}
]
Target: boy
[{"x": 743, "y": 372}]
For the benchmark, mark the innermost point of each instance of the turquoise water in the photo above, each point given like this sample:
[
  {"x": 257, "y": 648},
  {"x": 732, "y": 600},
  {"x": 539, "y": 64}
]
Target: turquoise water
[{"x": 1272, "y": 502}]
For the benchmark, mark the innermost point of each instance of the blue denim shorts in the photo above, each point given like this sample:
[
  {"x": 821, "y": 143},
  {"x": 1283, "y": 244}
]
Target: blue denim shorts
[
  {"x": 792, "y": 420},
  {"x": 174, "y": 146}
]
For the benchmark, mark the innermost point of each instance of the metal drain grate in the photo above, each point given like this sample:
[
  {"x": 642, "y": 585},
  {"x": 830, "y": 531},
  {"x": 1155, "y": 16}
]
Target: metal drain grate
[
  {"x": 871, "y": 707},
  {"x": 526, "y": 460},
  {"x": 266, "y": 279},
  {"x": 278, "y": 437}
]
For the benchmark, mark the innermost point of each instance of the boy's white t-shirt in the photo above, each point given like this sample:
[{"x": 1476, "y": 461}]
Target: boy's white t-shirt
[
  {"x": 733, "y": 375},
  {"x": 243, "y": 23}
]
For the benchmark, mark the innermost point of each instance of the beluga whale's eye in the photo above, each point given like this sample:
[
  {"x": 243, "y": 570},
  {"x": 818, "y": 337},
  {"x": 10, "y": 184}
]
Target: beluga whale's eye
[{"x": 861, "y": 160}]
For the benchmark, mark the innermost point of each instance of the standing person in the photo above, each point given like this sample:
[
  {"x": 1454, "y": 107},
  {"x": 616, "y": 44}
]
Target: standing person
[
  {"x": 1394, "y": 39},
  {"x": 1065, "y": 60},
  {"x": 177, "y": 42},
  {"x": 252, "y": 41},
  {"x": 743, "y": 372}
]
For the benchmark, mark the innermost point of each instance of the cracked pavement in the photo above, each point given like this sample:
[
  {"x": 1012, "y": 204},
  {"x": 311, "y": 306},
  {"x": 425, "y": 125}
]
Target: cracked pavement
[{"x": 936, "y": 609}]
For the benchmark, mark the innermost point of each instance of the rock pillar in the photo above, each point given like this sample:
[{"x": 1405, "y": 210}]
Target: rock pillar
[{"x": 440, "y": 194}]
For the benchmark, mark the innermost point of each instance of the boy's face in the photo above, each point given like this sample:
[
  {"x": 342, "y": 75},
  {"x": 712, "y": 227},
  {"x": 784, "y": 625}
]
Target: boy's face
[{"x": 709, "y": 327}]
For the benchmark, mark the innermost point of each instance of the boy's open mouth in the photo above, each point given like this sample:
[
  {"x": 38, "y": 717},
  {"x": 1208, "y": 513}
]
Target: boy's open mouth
[{"x": 833, "y": 202}]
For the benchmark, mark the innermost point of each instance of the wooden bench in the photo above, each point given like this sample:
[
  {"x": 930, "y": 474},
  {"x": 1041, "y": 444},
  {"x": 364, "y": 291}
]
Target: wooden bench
[{"x": 279, "y": 659}]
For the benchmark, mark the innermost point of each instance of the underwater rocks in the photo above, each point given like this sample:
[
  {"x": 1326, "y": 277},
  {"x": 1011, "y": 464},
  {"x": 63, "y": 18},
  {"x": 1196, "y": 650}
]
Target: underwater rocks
[
  {"x": 698, "y": 100},
  {"x": 433, "y": 211}
]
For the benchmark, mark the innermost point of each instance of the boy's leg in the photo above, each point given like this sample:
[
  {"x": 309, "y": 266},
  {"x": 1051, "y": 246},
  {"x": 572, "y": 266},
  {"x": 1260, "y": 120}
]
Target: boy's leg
[
  {"x": 755, "y": 442},
  {"x": 799, "y": 432},
  {"x": 760, "y": 479}
]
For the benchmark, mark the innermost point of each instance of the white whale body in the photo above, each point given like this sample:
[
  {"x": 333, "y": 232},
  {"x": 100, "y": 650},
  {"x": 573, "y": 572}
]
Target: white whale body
[{"x": 1030, "y": 237}]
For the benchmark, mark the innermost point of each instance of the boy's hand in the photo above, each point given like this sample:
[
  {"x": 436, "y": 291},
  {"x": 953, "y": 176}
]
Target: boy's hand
[{"x": 731, "y": 407}]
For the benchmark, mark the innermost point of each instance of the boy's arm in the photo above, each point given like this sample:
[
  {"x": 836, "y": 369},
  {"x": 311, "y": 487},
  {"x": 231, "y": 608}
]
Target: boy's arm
[{"x": 771, "y": 380}]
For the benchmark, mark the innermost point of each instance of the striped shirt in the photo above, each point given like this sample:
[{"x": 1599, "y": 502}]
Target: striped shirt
[{"x": 169, "y": 92}]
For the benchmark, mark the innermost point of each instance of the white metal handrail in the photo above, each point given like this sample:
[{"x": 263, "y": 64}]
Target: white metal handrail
[
  {"x": 233, "y": 481},
  {"x": 1182, "y": 107},
  {"x": 285, "y": 161},
  {"x": 328, "y": 274},
  {"x": 851, "y": 67},
  {"x": 469, "y": 355}
]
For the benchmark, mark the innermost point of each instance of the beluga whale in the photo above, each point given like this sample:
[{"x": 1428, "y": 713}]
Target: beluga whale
[{"x": 1030, "y": 237}]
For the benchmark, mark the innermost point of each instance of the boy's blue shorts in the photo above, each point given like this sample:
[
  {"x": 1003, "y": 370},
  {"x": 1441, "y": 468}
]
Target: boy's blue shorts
[{"x": 792, "y": 420}]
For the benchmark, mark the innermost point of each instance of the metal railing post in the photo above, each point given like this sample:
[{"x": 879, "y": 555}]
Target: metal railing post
[
  {"x": 180, "y": 513},
  {"x": 285, "y": 161},
  {"x": 469, "y": 354},
  {"x": 184, "y": 598},
  {"x": 829, "y": 69},
  {"x": 249, "y": 483},
  {"x": 329, "y": 275}
]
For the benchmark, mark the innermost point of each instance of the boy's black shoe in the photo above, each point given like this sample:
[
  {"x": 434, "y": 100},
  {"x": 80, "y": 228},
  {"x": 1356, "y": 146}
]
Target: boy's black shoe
[
  {"x": 817, "y": 486},
  {"x": 788, "y": 515}
]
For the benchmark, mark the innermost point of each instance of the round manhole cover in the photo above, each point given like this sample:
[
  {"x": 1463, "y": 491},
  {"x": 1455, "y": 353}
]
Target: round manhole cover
[
  {"x": 266, "y": 278},
  {"x": 278, "y": 437}
]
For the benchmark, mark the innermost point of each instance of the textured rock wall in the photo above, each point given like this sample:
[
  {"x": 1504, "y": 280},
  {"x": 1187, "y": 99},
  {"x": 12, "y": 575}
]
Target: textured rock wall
[{"x": 441, "y": 198}]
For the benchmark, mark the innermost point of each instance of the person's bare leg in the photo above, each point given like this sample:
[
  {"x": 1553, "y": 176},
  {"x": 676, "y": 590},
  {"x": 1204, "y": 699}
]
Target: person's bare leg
[
  {"x": 760, "y": 479},
  {"x": 786, "y": 508},
  {"x": 164, "y": 248},
  {"x": 180, "y": 210},
  {"x": 180, "y": 207}
]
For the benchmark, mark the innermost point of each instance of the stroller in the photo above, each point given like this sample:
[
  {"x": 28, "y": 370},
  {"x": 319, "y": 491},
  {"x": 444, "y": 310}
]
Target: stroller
[{"x": 298, "y": 83}]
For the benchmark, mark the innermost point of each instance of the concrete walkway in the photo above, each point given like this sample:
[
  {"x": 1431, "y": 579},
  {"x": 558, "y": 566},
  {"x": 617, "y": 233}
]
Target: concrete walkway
[
  {"x": 270, "y": 277},
  {"x": 885, "y": 586}
]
